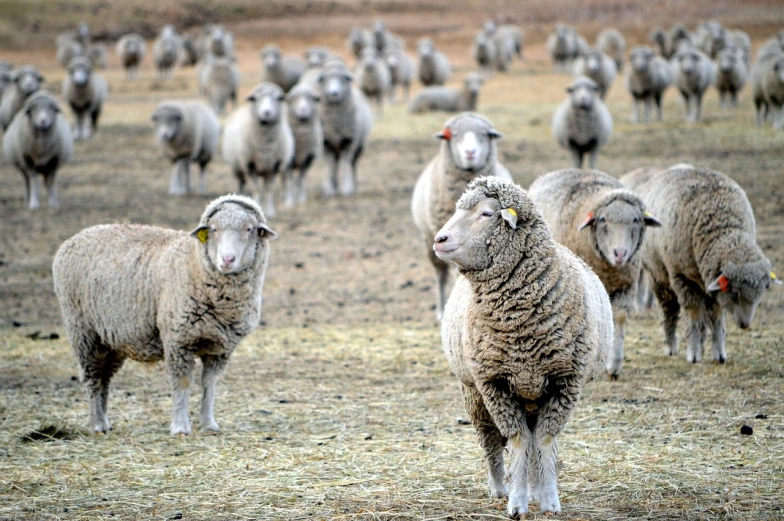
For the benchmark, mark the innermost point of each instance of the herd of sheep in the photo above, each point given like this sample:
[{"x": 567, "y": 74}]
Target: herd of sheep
[{"x": 547, "y": 277}]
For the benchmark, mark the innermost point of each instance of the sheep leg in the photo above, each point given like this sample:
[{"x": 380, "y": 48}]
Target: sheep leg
[
  {"x": 658, "y": 100},
  {"x": 694, "y": 333},
  {"x": 778, "y": 118},
  {"x": 179, "y": 364},
  {"x": 333, "y": 169},
  {"x": 212, "y": 368},
  {"x": 288, "y": 188},
  {"x": 91, "y": 356},
  {"x": 615, "y": 361},
  {"x": 550, "y": 421},
  {"x": 647, "y": 115},
  {"x": 86, "y": 130},
  {"x": 668, "y": 302},
  {"x": 577, "y": 158},
  {"x": 592, "y": 158},
  {"x": 28, "y": 182},
  {"x": 520, "y": 454},
  {"x": 490, "y": 440},
  {"x": 94, "y": 117},
  {"x": 240, "y": 181},
  {"x": 698, "y": 108},
  {"x": 77, "y": 129},
  {"x": 302, "y": 189},
  {"x": 758, "y": 110},
  {"x": 33, "y": 201},
  {"x": 716, "y": 317},
  {"x": 733, "y": 99},
  {"x": 723, "y": 99},
  {"x": 636, "y": 111},
  {"x": 176, "y": 184},
  {"x": 256, "y": 187},
  {"x": 269, "y": 206},
  {"x": 51, "y": 187},
  {"x": 348, "y": 184},
  {"x": 202, "y": 178}
]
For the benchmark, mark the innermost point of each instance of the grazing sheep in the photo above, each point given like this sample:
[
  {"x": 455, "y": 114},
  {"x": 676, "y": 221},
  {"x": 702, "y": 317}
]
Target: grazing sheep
[
  {"x": 401, "y": 70},
  {"x": 219, "y": 78},
  {"x": 258, "y": 143},
  {"x": 373, "y": 76},
  {"x": 705, "y": 258},
  {"x": 468, "y": 150},
  {"x": 131, "y": 49},
  {"x": 346, "y": 118},
  {"x": 694, "y": 74},
  {"x": 153, "y": 294},
  {"x": 357, "y": 40},
  {"x": 564, "y": 46},
  {"x": 527, "y": 325},
  {"x": 598, "y": 66},
  {"x": 39, "y": 141},
  {"x": 582, "y": 124},
  {"x": 612, "y": 43},
  {"x": 448, "y": 99},
  {"x": 68, "y": 48},
  {"x": 603, "y": 223},
  {"x": 282, "y": 71},
  {"x": 484, "y": 52},
  {"x": 166, "y": 51},
  {"x": 85, "y": 91},
  {"x": 434, "y": 67},
  {"x": 767, "y": 83},
  {"x": 187, "y": 132},
  {"x": 26, "y": 81},
  {"x": 98, "y": 55},
  {"x": 648, "y": 78},
  {"x": 731, "y": 74},
  {"x": 303, "y": 101}
]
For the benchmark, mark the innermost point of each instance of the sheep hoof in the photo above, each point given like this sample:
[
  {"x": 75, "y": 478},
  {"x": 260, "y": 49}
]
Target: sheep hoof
[{"x": 613, "y": 377}]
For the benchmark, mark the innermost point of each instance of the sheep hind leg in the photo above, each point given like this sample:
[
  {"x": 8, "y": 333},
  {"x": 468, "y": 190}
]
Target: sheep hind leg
[
  {"x": 698, "y": 108},
  {"x": 333, "y": 170},
  {"x": 269, "y": 204},
  {"x": 212, "y": 368},
  {"x": 615, "y": 361},
  {"x": 112, "y": 363},
  {"x": 179, "y": 365},
  {"x": 490, "y": 440},
  {"x": 91, "y": 356},
  {"x": 176, "y": 185},
  {"x": 668, "y": 302},
  {"x": 716, "y": 317}
]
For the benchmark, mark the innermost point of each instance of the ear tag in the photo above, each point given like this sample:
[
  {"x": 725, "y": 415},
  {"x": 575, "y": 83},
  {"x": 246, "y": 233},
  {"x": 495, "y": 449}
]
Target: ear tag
[
  {"x": 775, "y": 279},
  {"x": 203, "y": 235},
  {"x": 587, "y": 222},
  {"x": 447, "y": 133},
  {"x": 724, "y": 283},
  {"x": 648, "y": 214},
  {"x": 510, "y": 216}
]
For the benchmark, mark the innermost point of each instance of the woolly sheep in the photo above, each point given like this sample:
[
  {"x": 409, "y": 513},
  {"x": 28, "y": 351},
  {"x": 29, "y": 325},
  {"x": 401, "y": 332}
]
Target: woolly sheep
[
  {"x": 216, "y": 42},
  {"x": 373, "y": 76},
  {"x": 85, "y": 91},
  {"x": 68, "y": 48},
  {"x": 468, "y": 150},
  {"x": 680, "y": 39},
  {"x": 742, "y": 41},
  {"x": 484, "y": 52},
  {"x": 219, "y": 79},
  {"x": 187, "y": 132},
  {"x": 434, "y": 67},
  {"x": 582, "y": 124},
  {"x": 357, "y": 40},
  {"x": 258, "y": 143},
  {"x": 611, "y": 42},
  {"x": 39, "y": 141},
  {"x": 703, "y": 265},
  {"x": 731, "y": 74},
  {"x": 131, "y": 49},
  {"x": 153, "y": 294},
  {"x": 302, "y": 102},
  {"x": 98, "y": 55},
  {"x": 190, "y": 52},
  {"x": 401, "y": 70},
  {"x": 598, "y": 66},
  {"x": 282, "y": 71},
  {"x": 694, "y": 74},
  {"x": 526, "y": 326},
  {"x": 603, "y": 223},
  {"x": 346, "y": 119},
  {"x": 661, "y": 39},
  {"x": 648, "y": 78},
  {"x": 6, "y": 77},
  {"x": 448, "y": 99},
  {"x": 564, "y": 45},
  {"x": 166, "y": 51},
  {"x": 767, "y": 83},
  {"x": 510, "y": 37},
  {"x": 382, "y": 37},
  {"x": 773, "y": 45},
  {"x": 711, "y": 38},
  {"x": 25, "y": 81}
]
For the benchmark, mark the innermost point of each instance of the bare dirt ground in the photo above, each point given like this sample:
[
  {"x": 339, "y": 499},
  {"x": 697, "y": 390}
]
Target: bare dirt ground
[{"x": 341, "y": 406}]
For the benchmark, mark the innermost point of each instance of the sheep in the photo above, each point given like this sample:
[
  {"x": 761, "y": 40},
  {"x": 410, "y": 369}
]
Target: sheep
[
  {"x": 26, "y": 81},
  {"x": 166, "y": 51},
  {"x": 131, "y": 49},
  {"x": 373, "y": 76},
  {"x": 648, "y": 78},
  {"x": 39, "y": 141},
  {"x": 149, "y": 294},
  {"x": 215, "y": 42},
  {"x": 6, "y": 77},
  {"x": 694, "y": 74},
  {"x": 357, "y": 40},
  {"x": 712, "y": 38},
  {"x": 258, "y": 143},
  {"x": 98, "y": 55},
  {"x": 434, "y": 67},
  {"x": 742, "y": 41},
  {"x": 661, "y": 39},
  {"x": 190, "y": 52},
  {"x": 346, "y": 119},
  {"x": 526, "y": 326},
  {"x": 582, "y": 124},
  {"x": 680, "y": 39},
  {"x": 484, "y": 52},
  {"x": 401, "y": 70},
  {"x": 767, "y": 82},
  {"x": 448, "y": 99},
  {"x": 611, "y": 42},
  {"x": 598, "y": 66},
  {"x": 68, "y": 47},
  {"x": 705, "y": 258},
  {"x": 468, "y": 150},
  {"x": 219, "y": 78},
  {"x": 381, "y": 36},
  {"x": 511, "y": 37},
  {"x": 316, "y": 56},
  {"x": 604, "y": 224},
  {"x": 187, "y": 132},
  {"x": 282, "y": 71},
  {"x": 302, "y": 102},
  {"x": 731, "y": 74},
  {"x": 773, "y": 45},
  {"x": 564, "y": 46},
  {"x": 85, "y": 91}
]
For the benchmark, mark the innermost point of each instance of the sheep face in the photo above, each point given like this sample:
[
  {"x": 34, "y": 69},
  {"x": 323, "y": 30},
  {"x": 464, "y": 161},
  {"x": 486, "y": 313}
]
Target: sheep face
[
  {"x": 267, "y": 103},
  {"x": 335, "y": 85},
  {"x": 217, "y": 43},
  {"x": 727, "y": 61},
  {"x": 739, "y": 289},
  {"x": 168, "y": 123},
  {"x": 618, "y": 230},
  {"x": 464, "y": 239},
  {"x": 688, "y": 62},
  {"x": 426, "y": 49},
  {"x": 83, "y": 32},
  {"x": 316, "y": 56},
  {"x": 42, "y": 112},
  {"x": 640, "y": 60},
  {"x": 302, "y": 104},
  {"x": 369, "y": 58},
  {"x": 583, "y": 94},
  {"x": 80, "y": 71},
  {"x": 28, "y": 80},
  {"x": 469, "y": 144},
  {"x": 593, "y": 62},
  {"x": 271, "y": 56},
  {"x": 473, "y": 84}
]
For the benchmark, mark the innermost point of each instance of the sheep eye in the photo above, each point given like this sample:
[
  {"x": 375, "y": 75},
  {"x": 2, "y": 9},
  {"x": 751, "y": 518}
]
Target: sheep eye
[
  {"x": 250, "y": 229},
  {"x": 636, "y": 220},
  {"x": 488, "y": 213},
  {"x": 602, "y": 219}
]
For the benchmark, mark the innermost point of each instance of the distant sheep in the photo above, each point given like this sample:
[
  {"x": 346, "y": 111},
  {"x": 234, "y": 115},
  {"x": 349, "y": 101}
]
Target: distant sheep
[
  {"x": 401, "y": 69},
  {"x": 282, "y": 71},
  {"x": 131, "y": 49},
  {"x": 98, "y": 55},
  {"x": 731, "y": 75},
  {"x": 484, "y": 52},
  {"x": 85, "y": 91},
  {"x": 564, "y": 45},
  {"x": 448, "y": 99},
  {"x": 434, "y": 67},
  {"x": 219, "y": 79},
  {"x": 598, "y": 66},
  {"x": 694, "y": 74},
  {"x": 648, "y": 78},
  {"x": 6, "y": 77},
  {"x": 612, "y": 43},
  {"x": 357, "y": 40},
  {"x": 25, "y": 81},
  {"x": 166, "y": 51},
  {"x": 68, "y": 48},
  {"x": 303, "y": 106},
  {"x": 582, "y": 124},
  {"x": 373, "y": 77},
  {"x": 767, "y": 83}
]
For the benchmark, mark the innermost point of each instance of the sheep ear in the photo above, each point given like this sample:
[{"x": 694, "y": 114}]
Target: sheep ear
[
  {"x": 569, "y": 90},
  {"x": 650, "y": 220},
  {"x": 722, "y": 283},
  {"x": 587, "y": 222},
  {"x": 348, "y": 76},
  {"x": 252, "y": 97},
  {"x": 320, "y": 78},
  {"x": 775, "y": 280},
  {"x": 202, "y": 233},
  {"x": 445, "y": 134},
  {"x": 316, "y": 98},
  {"x": 494, "y": 134},
  {"x": 265, "y": 232},
  {"x": 510, "y": 216}
]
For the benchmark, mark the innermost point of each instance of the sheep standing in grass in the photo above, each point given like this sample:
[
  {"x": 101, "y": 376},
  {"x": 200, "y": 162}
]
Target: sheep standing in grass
[
  {"x": 434, "y": 67},
  {"x": 705, "y": 258},
  {"x": 767, "y": 84},
  {"x": 468, "y": 150},
  {"x": 166, "y": 51},
  {"x": 303, "y": 101},
  {"x": 152, "y": 294},
  {"x": 357, "y": 40},
  {"x": 6, "y": 77},
  {"x": 582, "y": 124},
  {"x": 510, "y": 37},
  {"x": 68, "y": 48},
  {"x": 187, "y": 132},
  {"x": 283, "y": 71},
  {"x": 603, "y": 223},
  {"x": 131, "y": 49},
  {"x": 564, "y": 46},
  {"x": 258, "y": 143},
  {"x": 401, "y": 71},
  {"x": 484, "y": 52},
  {"x": 85, "y": 91},
  {"x": 448, "y": 99},
  {"x": 373, "y": 77},
  {"x": 382, "y": 37},
  {"x": 25, "y": 81},
  {"x": 39, "y": 141},
  {"x": 694, "y": 74},
  {"x": 98, "y": 55},
  {"x": 527, "y": 325},
  {"x": 731, "y": 74},
  {"x": 648, "y": 78},
  {"x": 219, "y": 79},
  {"x": 599, "y": 67},
  {"x": 611, "y": 42}
]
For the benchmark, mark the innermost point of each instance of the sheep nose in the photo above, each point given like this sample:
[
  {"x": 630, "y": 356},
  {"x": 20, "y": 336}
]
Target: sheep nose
[
  {"x": 744, "y": 324},
  {"x": 443, "y": 237},
  {"x": 620, "y": 255},
  {"x": 228, "y": 259}
]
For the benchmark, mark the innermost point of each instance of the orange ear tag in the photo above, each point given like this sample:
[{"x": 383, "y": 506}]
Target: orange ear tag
[
  {"x": 588, "y": 219},
  {"x": 724, "y": 283},
  {"x": 447, "y": 133}
]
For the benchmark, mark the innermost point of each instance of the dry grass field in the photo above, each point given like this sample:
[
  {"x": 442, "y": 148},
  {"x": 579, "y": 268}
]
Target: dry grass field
[{"x": 341, "y": 405}]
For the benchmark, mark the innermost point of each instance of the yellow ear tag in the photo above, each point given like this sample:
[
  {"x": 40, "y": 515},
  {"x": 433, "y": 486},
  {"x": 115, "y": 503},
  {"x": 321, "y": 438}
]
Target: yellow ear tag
[
  {"x": 203, "y": 235},
  {"x": 512, "y": 211},
  {"x": 648, "y": 214},
  {"x": 772, "y": 275}
]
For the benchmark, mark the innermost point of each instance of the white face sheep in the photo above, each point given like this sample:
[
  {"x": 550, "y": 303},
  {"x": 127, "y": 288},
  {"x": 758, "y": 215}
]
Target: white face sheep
[
  {"x": 694, "y": 73},
  {"x": 85, "y": 91},
  {"x": 303, "y": 117},
  {"x": 131, "y": 49},
  {"x": 731, "y": 76},
  {"x": 373, "y": 76},
  {"x": 767, "y": 82},
  {"x": 434, "y": 67},
  {"x": 282, "y": 71},
  {"x": 649, "y": 76},
  {"x": 401, "y": 70},
  {"x": 25, "y": 81},
  {"x": 599, "y": 67}
]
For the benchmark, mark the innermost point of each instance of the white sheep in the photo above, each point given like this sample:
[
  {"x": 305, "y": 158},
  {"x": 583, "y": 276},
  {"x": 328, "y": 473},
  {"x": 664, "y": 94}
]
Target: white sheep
[
  {"x": 598, "y": 66},
  {"x": 694, "y": 74},
  {"x": 6, "y": 77},
  {"x": 448, "y": 99},
  {"x": 283, "y": 71},
  {"x": 24, "y": 82},
  {"x": 527, "y": 325},
  {"x": 611, "y": 42},
  {"x": 187, "y": 132},
  {"x": 564, "y": 45},
  {"x": 98, "y": 55},
  {"x": 484, "y": 52},
  {"x": 373, "y": 76},
  {"x": 434, "y": 67},
  {"x": 401, "y": 70},
  {"x": 648, "y": 78},
  {"x": 731, "y": 75},
  {"x": 357, "y": 40},
  {"x": 166, "y": 51},
  {"x": 510, "y": 38},
  {"x": 302, "y": 102},
  {"x": 767, "y": 84},
  {"x": 219, "y": 79},
  {"x": 582, "y": 123},
  {"x": 468, "y": 150},
  {"x": 68, "y": 48},
  {"x": 151, "y": 294},
  {"x": 258, "y": 143},
  {"x": 85, "y": 91},
  {"x": 39, "y": 141},
  {"x": 131, "y": 49}
]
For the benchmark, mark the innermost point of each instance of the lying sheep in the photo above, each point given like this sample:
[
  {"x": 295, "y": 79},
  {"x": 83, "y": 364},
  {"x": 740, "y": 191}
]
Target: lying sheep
[
  {"x": 448, "y": 99},
  {"x": 731, "y": 74},
  {"x": 187, "y": 132},
  {"x": 166, "y": 51},
  {"x": 153, "y": 294},
  {"x": 98, "y": 55},
  {"x": 705, "y": 259},
  {"x": 582, "y": 124},
  {"x": 527, "y": 325},
  {"x": 282, "y": 71},
  {"x": 131, "y": 49},
  {"x": 767, "y": 83},
  {"x": 401, "y": 71},
  {"x": 302, "y": 102},
  {"x": 25, "y": 81},
  {"x": 598, "y": 66},
  {"x": 346, "y": 118},
  {"x": 39, "y": 141},
  {"x": 484, "y": 52},
  {"x": 468, "y": 150},
  {"x": 373, "y": 76},
  {"x": 357, "y": 40},
  {"x": 219, "y": 79},
  {"x": 434, "y": 67},
  {"x": 603, "y": 223},
  {"x": 648, "y": 78},
  {"x": 85, "y": 91},
  {"x": 694, "y": 74},
  {"x": 564, "y": 46},
  {"x": 258, "y": 143},
  {"x": 612, "y": 43}
]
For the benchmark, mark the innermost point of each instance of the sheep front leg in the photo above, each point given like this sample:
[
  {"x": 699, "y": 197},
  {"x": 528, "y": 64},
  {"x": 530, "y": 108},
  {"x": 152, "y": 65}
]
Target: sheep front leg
[
  {"x": 333, "y": 168},
  {"x": 520, "y": 454},
  {"x": 179, "y": 364},
  {"x": 778, "y": 118},
  {"x": 592, "y": 158},
  {"x": 695, "y": 330},
  {"x": 78, "y": 126},
  {"x": 213, "y": 367},
  {"x": 490, "y": 440},
  {"x": 51, "y": 188},
  {"x": 647, "y": 115},
  {"x": 269, "y": 205},
  {"x": 288, "y": 188},
  {"x": 615, "y": 361},
  {"x": 176, "y": 185},
  {"x": 698, "y": 107},
  {"x": 86, "y": 126},
  {"x": 33, "y": 201},
  {"x": 668, "y": 302},
  {"x": 577, "y": 158},
  {"x": 302, "y": 188},
  {"x": 716, "y": 317},
  {"x": 202, "y": 178},
  {"x": 347, "y": 175}
]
